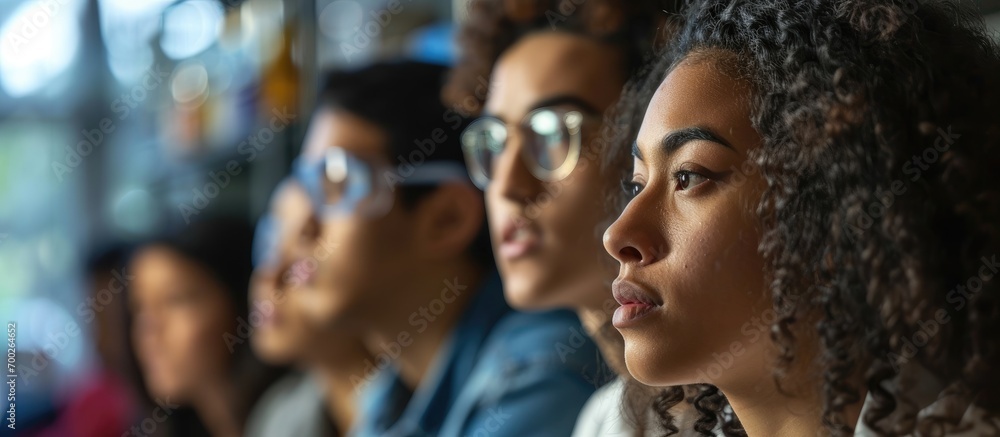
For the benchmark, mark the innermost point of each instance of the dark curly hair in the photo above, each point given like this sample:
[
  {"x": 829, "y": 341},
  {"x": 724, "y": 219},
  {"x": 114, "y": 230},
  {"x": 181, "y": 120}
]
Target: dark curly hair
[
  {"x": 880, "y": 129},
  {"x": 493, "y": 26}
]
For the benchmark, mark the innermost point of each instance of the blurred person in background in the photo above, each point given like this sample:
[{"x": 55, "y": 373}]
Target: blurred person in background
[
  {"x": 191, "y": 323},
  {"x": 541, "y": 75},
  {"x": 408, "y": 261},
  {"x": 319, "y": 401},
  {"x": 107, "y": 400}
]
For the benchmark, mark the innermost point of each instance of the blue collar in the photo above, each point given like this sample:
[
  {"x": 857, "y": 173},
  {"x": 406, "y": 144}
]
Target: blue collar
[{"x": 389, "y": 407}]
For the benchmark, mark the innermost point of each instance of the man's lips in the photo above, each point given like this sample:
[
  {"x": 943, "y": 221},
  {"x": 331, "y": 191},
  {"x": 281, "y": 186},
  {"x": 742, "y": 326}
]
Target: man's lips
[
  {"x": 519, "y": 237},
  {"x": 299, "y": 274},
  {"x": 635, "y": 302},
  {"x": 265, "y": 318}
]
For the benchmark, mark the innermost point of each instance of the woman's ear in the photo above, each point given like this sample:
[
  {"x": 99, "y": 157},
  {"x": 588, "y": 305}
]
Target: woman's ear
[{"x": 448, "y": 220}]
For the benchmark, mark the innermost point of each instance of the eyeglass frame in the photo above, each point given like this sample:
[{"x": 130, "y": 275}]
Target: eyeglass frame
[
  {"x": 426, "y": 173},
  {"x": 477, "y": 172}
]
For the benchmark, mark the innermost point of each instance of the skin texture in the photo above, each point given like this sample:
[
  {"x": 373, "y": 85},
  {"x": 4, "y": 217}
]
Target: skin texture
[
  {"x": 287, "y": 336},
  {"x": 351, "y": 249},
  {"x": 689, "y": 241},
  {"x": 402, "y": 258},
  {"x": 693, "y": 248},
  {"x": 284, "y": 336},
  {"x": 181, "y": 314},
  {"x": 566, "y": 269},
  {"x": 848, "y": 96}
]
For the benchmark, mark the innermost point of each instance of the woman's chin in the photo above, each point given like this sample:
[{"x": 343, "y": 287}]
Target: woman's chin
[
  {"x": 168, "y": 391},
  {"x": 649, "y": 369}
]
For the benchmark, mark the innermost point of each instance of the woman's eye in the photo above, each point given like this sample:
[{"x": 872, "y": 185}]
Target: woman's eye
[
  {"x": 631, "y": 188},
  {"x": 687, "y": 179}
]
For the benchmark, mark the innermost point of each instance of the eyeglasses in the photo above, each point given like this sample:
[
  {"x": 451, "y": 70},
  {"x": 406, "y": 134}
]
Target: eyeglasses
[
  {"x": 551, "y": 144},
  {"x": 341, "y": 183},
  {"x": 265, "y": 241}
]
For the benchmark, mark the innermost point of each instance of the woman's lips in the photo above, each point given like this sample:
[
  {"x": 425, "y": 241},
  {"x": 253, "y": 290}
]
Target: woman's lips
[
  {"x": 518, "y": 239},
  {"x": 635, "y": 303}
]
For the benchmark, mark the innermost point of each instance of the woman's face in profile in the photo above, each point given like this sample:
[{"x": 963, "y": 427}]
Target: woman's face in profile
[
  {"x": 181, "y": 316},
  {"x": 691, "y": 281}
]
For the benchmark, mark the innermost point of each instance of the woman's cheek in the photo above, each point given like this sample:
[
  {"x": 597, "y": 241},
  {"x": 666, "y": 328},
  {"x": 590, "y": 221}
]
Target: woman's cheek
[{"x": 198, "y": 340}]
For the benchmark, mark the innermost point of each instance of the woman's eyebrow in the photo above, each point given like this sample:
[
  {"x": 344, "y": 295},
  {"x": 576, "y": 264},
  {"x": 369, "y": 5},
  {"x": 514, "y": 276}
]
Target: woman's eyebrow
[
  {"x": 678, "y": 138},
  {"x": 674, "y": 140}
]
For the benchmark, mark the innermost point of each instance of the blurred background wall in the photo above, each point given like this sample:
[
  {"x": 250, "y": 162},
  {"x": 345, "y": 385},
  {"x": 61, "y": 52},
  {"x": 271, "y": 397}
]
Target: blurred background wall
[{"x": 122, "y": 118}]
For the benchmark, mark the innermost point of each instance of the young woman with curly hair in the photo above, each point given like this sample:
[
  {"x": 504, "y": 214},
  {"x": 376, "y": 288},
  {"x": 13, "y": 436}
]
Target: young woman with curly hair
[
  {"x": 812, "y": 237},
  {"x": 541, "y": 74}
]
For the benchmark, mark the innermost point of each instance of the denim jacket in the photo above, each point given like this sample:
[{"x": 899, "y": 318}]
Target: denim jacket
[{"x": 500, "y": 373}]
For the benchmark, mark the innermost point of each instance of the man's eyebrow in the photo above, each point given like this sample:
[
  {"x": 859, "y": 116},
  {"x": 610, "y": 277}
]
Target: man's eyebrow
[
  {"x": 566, "y": 99},
  {"x": 678, "y": 138},
  {"x": 557, "y": 100}
]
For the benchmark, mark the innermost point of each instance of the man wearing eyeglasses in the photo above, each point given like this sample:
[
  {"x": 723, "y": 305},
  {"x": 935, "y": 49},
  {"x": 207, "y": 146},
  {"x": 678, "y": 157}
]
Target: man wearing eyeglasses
[{"x": 412, "y": 269}]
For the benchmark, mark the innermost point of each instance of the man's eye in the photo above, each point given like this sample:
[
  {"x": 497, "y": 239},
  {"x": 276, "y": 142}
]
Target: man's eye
[{"x": 687, "y": 180}]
